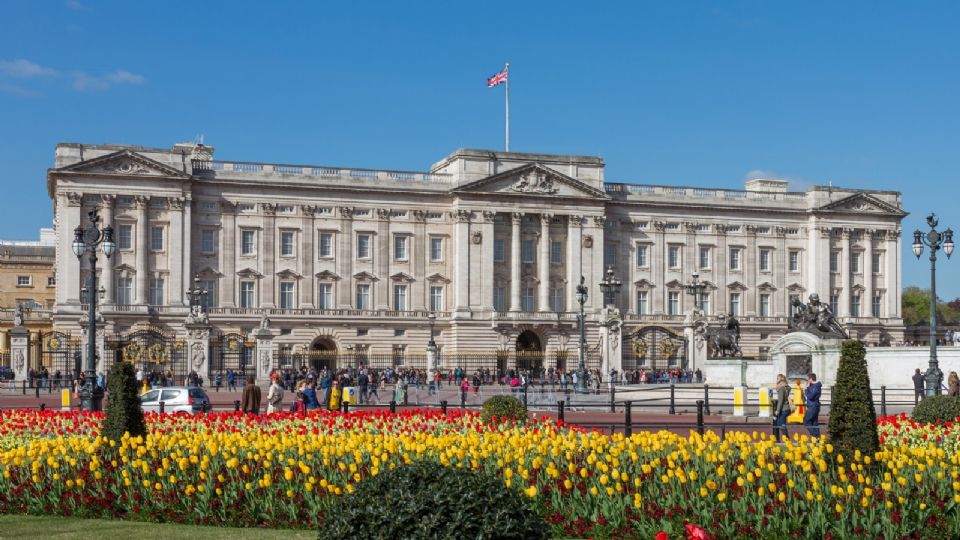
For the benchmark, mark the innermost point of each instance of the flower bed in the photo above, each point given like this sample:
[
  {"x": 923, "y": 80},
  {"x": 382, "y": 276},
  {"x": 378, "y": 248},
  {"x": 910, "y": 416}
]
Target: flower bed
[{"x": 282, "y": 470}]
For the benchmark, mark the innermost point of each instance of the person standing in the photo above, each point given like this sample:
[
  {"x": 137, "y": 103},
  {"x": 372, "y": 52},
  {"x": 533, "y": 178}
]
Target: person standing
[
  {"x": 953, "y": 384},
  {"x": 250, "y": 399},
  {"x": 274, "y": 395},
  {"x": 782, "y": 409},
  {"x": 231, "y": 381},
  {"x": 310, "y": 395},
  {"x": 918, "y": 381},
  {"x": 335, "y": 396},
  {"x": 811, "y": 396}
]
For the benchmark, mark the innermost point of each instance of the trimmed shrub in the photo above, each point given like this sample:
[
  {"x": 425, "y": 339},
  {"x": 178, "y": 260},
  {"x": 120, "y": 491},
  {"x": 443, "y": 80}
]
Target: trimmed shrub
[
  {"x": 427, "y": 500},
  {"x": 123, "y": 414},
  {"x": 943, "y": 407},
  {"x": 503, "y": 406},
  {"x": 853, "y": 420}
]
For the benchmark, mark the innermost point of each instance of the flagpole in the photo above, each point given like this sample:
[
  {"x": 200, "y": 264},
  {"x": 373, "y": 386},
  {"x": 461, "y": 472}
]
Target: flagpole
[{"x": 507, "y": 70}]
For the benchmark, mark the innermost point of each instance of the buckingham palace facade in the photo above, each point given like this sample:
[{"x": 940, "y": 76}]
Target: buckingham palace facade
[{"x": 486, "y": 248}]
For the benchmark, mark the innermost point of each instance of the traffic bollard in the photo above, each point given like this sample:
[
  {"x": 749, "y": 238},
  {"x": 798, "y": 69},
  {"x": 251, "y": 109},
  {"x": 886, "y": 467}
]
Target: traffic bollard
[
  {"x": 706, "y": 398},
  {"x": 560, "y": 406},
  {"x": 673, "y": 403},
  {"x": 162, "y": 407},
  {"x": 627, "y": 418},
  {"x": 700, "y": 416}
]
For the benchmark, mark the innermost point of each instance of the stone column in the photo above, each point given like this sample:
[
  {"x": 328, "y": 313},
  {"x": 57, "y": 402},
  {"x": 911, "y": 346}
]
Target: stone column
[
  {"x": 143, "y": 247},
  {"x": 461, "y": 261},
  {"x": 751, "y": 270},
  {"x": 198, "y": 349},
  {"x": 515, "y": 264},
  {"x": 822, "y": 277},
  {"x": 308, "y": 257},
  {"x": 107, "y": 280},
  {"x": 175, "y": 250},
  {"x": 595, "y": 297},
  {"x": 68, "y": 266},
  {"x": 20, "y": 352},
  {"x": 264, "y": 352},
  {"x": 543, "y": 263},
  {"x": 574, "y": 259},
  {"x": 486, "y": 261},
  {"x": 345, "y": 259},
  {"x": 187, "y": 263},
  {"x": 268, "y": 255},
  {"x": 228, "y": 255},
  {"x": 866, "y": 303},
  {"x": 843, "y": 303},
  {"x": 658, "y": 261}
]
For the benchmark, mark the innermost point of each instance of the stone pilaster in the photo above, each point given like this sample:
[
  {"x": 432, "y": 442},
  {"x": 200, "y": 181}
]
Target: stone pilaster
[
  {"x": 143, "y": 248},
  {"x": 19, "y": 352},
  {"x": 344, "y": 261},
  {"x": 228, "y": 255},
  {"x": 574, "y": 259},
  {"x": 198, "y": 349},
  {"x": 270, "y": 253},
  {"x": 461, "y": 261},
  {"x": 383, "y": 291},
  {"x": 107, "y": 279},
  {"x": 866, "y": 303},
  {"x": 486, "y": 261},
  {"x": 843, "y": 303},
  {"x": 308, "y": 252},
  {"x": 175, "y": 257},
  {"x": 264, "y": 351}
]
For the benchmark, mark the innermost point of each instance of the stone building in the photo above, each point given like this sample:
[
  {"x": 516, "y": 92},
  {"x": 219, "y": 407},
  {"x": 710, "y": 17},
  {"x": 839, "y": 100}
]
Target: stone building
[
  {"x": 27, "y": 279},
  {"x": 351, "y": 263}
]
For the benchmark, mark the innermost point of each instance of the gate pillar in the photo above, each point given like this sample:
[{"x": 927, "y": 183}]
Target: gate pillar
[
  {"x": 611, "y": 342},
  {"x": 264, "y": 360},
  {"x": 694, "y": 330},
  {"x": 19, "y": 352},
  {"x": 198, "y": 349}
]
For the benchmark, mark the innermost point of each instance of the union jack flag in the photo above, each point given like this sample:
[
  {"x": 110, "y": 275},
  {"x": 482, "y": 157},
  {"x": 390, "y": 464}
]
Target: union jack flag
[{"x": 499, "y": 78}]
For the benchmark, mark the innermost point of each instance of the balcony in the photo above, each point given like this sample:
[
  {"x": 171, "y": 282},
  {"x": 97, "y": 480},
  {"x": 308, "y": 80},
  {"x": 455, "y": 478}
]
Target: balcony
[{"x": 318, "y": 174}]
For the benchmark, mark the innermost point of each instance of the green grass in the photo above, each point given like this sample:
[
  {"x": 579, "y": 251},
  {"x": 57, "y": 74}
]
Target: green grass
[{"x": 20, "y": 526}]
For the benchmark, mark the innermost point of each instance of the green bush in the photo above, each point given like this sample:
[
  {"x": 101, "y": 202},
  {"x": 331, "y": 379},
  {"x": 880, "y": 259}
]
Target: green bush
[
  {"x": 427, "y": 500},
  {"x": 853, "y": 420},
  {"x": 931, "y": 409},
  {"x": 503, "y": 407},
  {"x": 123, "y": 414}
]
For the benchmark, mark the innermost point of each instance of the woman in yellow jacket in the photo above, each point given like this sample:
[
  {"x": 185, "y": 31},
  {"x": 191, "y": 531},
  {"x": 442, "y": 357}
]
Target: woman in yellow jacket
[{"x": 335, "y": 396}]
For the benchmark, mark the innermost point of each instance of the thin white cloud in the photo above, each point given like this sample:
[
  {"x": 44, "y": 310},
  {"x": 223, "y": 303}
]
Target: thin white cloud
[
  {"x": 76, "y": 6},
  {"x": 85, "y": 82},
  {"x": 24, "y": 69},
  {"x": 13, "y": 89}
]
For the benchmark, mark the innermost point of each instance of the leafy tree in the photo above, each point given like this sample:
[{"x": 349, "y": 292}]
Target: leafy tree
[
  {"x": 916, "y": 308},
  {"x": 123, "y": 414},
  {"x": 853, "y": 420}
]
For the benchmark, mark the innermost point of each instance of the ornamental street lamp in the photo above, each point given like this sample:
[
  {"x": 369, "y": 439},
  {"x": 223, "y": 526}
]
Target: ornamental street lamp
[
  {"x": 197, "y": 297},
  {"x": 581, "y": 386},
  {"x": 696, "y": 288},
  {"x": 610, "y": 286},
  {"x": 86, "y": 240},
  {"x": 934, "y": 240}
]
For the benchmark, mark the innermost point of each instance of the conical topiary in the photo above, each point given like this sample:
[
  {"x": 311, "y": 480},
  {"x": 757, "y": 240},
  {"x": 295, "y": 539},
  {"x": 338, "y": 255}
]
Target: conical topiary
[
  {"x": 853, "y": 420},
  {"x": 123, "y": 413}
]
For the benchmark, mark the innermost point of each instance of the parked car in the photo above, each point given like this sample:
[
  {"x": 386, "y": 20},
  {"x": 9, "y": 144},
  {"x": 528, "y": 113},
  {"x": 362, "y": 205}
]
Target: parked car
[
  {"x": 175, "y": 399},
  {"x": 6, "y": 374}
]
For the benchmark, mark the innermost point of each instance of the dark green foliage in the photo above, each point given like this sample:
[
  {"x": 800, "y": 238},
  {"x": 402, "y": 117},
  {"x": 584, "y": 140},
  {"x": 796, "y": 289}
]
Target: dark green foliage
[
  {"x": 853, "y": 421},
  {"x": 427, "y": 500},
  {"x": 123, "y": 414},
  {"x": 503, "y": 406},
  {"x": 931, "y": 409}
]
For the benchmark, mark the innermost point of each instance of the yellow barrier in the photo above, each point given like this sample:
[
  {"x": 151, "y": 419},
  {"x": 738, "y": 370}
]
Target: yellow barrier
[
  {"x": 766, "y": 404},
  {"x": 796, "y": 417},
  {"x": 65, "y": 399},
  {"x": 739, "y": 400}
]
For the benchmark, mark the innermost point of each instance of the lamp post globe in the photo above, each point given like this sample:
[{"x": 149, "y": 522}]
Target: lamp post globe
[{"x": 934, "y": 240}]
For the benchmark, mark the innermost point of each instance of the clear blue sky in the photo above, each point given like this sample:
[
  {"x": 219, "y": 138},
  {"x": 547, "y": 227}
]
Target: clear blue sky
[{"x": 863, "y": 94}]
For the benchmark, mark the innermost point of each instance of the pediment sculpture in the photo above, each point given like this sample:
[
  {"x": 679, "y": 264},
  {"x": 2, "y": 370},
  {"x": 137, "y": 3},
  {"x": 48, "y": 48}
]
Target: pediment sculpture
[{"x": 534, "y": 181}]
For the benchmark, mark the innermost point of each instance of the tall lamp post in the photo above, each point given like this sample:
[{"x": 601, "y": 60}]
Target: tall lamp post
[
  {"x": 581, "y": 387},
  {"x": 197, "y": 297},
  {"x": 696, "y": 288},
  {"x": 610, "y": 286},
  {"x": 934, "y": 240},
  {"x": 86, "y": 240}
]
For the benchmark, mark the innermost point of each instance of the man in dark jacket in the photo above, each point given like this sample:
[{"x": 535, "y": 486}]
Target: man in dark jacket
[
  {"x": 918, "y": 383},
  {"x": 250, "y": 401},
  {"x": 811, "y": 397}
]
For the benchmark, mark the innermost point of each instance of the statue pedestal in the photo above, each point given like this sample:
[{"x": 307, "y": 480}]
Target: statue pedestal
[
  {"x": 611, "y": 342},
  {"x": 798, "y": 353},
  {"x": 198, "y": 350},
  {"x": 264, "y": 360}
]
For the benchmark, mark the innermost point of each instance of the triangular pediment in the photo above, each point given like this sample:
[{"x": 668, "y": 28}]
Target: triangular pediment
[
  {"x": 208, "y": 272},
  {"x": 644, "y": 284},
  {"x": 766, "y": 286},
  {"x": 288, "y": 274},
  {"x": 327, "y": 275},
  {"x": 124, "y": 268},
  {"x": 402, "y": 277},
  {"x": 674, "y": 284},
  {"x": 862, "y": 203},
  {"x": 437, "y": 278},
  {"x": 365, "y": 276},
  {"x": 736, "y": 286},
  {"x": 249, "y": 273},
  {"x": 124, "y": 163},
  {"x": 533, "y": 179},
  {"x": 795, "y": 288}
]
